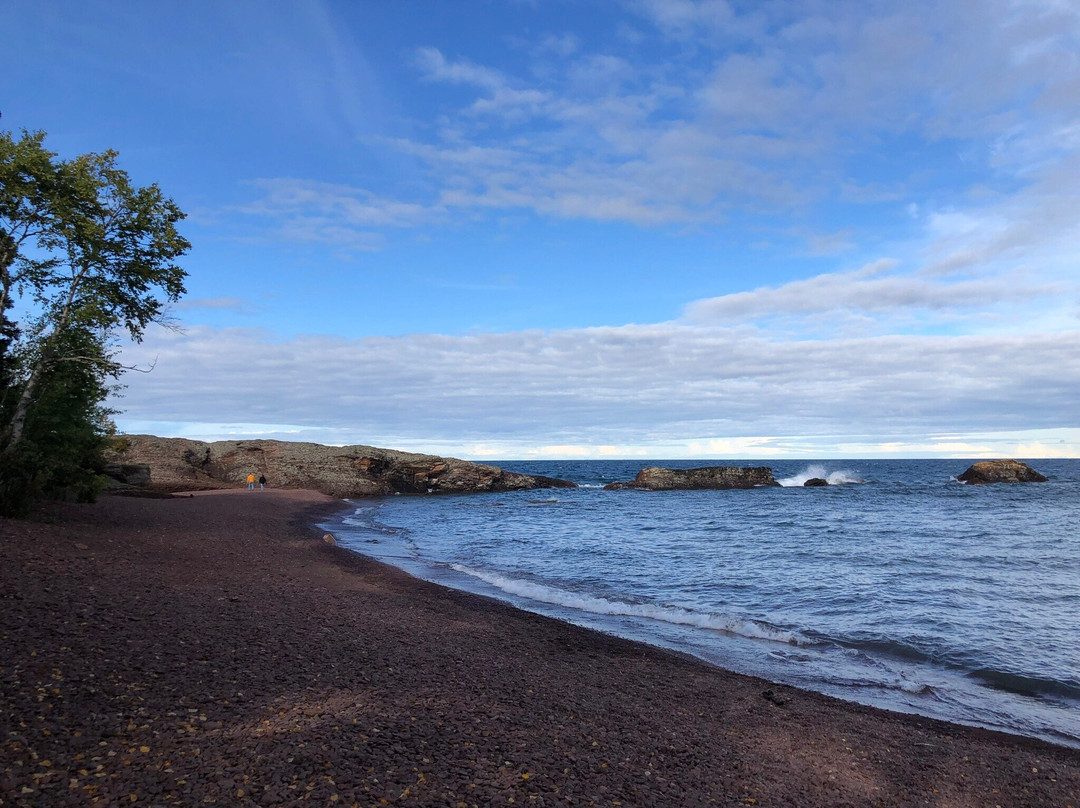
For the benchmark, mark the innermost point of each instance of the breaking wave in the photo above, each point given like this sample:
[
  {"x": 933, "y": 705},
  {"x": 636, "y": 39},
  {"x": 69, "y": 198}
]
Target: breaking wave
[
  {"x": 668, "y": 614},
  {"x": 842, "y": 477}
]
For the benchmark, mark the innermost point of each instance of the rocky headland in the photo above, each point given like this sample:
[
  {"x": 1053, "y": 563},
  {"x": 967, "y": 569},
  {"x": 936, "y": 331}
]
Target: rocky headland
[
  {"x": 178, "y": 464},
  {"x": 1000, "y": 471},
  {"x": 708, "y": 478}
]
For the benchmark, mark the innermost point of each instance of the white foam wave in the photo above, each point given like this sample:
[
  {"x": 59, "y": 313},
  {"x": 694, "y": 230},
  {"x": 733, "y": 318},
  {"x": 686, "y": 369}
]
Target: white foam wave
[
  {"x": 842, "y": 477},
  {"x": 615, "y": 608},
  {"x": 915, "y": 688}
]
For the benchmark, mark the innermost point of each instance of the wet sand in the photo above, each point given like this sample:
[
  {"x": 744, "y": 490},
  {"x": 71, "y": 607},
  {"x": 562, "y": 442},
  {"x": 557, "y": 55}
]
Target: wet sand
[{"x": 213, "y": 649}]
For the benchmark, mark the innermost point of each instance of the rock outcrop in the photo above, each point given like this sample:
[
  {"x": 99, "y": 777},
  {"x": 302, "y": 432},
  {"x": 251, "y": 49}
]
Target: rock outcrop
[
  {"x": 708, "y": 478},
  {"x": 136, "y": 475},
  {"x": 1000, "y": 471},
  {"x": 178, "y": 464},
  {"x": 816, "y": 482}
]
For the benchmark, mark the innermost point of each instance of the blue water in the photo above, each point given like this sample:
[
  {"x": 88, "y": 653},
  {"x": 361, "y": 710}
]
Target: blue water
[{"x": 897, "y": 586}]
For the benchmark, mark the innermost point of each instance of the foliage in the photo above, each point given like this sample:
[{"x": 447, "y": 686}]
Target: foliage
[
  {"x": 91, "y": 256},
  {"x": 27, "y": 175},
  {"x": 9, "y": 335},
  {"x": 65, "y": 432}
]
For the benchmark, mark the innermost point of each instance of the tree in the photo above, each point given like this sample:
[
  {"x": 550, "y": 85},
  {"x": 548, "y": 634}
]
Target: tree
[
  {"x": 65, "y": 432},
  {"x": 26, "y": 216},
  {"x": 92, "y": 256}
]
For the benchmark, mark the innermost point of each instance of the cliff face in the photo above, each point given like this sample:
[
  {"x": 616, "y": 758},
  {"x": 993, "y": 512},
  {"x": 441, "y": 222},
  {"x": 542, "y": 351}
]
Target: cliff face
[
  {"x": 178, "y": 464},
  {"x": 710, "y": 477}
]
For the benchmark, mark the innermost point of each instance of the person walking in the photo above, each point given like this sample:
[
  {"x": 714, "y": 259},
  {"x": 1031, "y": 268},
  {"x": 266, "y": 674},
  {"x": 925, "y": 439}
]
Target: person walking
[
  {"x": 251, "y": 481},
  {"x": 262, "y": 482}
]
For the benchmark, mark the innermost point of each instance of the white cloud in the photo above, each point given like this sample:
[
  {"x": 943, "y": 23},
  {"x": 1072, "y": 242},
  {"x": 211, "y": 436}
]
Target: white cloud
[
  {"x": 872, "y": 289},
  {"x": 772, "y": 114},
  {"x": 235, "y": 304},
  {"x": 599, "y": 73},
  {"x": 682, "y": 18},
  {"x": 563, "y": 45},
  {"x": 308, "y": 211},
  {"x": 1039, "y": 225},
  {"x": 635, "y": 386},
  {"x": 766, "y": 116},
  {"x": 308, "y": 200},
  {"x": 436, "y": 67}
]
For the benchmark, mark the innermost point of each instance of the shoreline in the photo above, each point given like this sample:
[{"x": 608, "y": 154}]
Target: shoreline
[
  {"x": 258, "y": 665},
  {"x": 735, "y": 652}
]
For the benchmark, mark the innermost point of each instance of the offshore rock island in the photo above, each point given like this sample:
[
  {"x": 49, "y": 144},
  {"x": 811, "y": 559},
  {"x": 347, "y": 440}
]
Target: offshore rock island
[
  {"x": 986, "y": 472},
  {"x": 179, "y": 464},
  {"x": 709, "y": 478}
]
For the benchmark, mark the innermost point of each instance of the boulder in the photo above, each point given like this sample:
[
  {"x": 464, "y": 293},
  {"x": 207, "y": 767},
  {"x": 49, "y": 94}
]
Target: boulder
[
  {"x": 178, "y": 464},
  {"x": 1000, "y": 471},
  {"x": 815, "y": 482},
  {"x": 708, "y": 478}
]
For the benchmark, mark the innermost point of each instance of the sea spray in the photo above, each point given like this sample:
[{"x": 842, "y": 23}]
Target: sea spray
[{"x": 842, "y": 477}]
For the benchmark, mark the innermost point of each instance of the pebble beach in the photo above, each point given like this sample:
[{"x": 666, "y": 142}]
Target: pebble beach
[{"x": 215, "y": 649}]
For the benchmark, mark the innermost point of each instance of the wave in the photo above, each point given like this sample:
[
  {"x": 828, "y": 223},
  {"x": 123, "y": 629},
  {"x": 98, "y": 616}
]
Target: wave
[
  {"x": 1032, "y": 686},
  {"x": 843, "y": 477},
  {"x": 363, "y": 518},
  {"x": 1019, "y": 684},
  {"x": 730, "y": 624},
  {"x": 901, "y": 685}
]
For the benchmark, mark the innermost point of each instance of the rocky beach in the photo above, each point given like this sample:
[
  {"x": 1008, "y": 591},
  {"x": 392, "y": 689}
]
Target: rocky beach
[{"x": 216, "y": 649}]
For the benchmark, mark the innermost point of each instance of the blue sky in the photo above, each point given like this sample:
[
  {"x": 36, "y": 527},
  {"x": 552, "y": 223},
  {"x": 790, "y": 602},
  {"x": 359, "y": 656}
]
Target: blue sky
[{"x": 663, "y": 228}]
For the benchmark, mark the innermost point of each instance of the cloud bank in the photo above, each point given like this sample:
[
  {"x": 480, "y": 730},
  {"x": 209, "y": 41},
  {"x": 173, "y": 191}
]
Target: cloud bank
[{"x": 634, "y": 386}]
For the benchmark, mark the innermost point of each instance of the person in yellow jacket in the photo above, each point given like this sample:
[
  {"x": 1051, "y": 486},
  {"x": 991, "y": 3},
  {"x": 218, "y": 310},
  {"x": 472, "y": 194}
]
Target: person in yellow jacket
[{"x": 251, "y": 481}]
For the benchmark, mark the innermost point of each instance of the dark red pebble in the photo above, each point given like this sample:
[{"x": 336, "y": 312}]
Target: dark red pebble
[{"x": 258, "y": 665}]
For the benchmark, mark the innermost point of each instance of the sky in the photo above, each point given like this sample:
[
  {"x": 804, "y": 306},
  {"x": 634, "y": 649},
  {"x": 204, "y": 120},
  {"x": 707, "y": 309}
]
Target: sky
[{"x": 593, "y": 229}]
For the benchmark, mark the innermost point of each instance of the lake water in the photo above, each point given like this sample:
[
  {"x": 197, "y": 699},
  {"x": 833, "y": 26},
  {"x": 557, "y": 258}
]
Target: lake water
[{"x": 895, "y": 586}]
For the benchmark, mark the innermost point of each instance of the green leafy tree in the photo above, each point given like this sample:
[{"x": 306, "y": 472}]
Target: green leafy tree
[
  {"x": 65, "y": 432},
  {"x": 27, "y": 173},
  {"x": 92, "y": 256}
]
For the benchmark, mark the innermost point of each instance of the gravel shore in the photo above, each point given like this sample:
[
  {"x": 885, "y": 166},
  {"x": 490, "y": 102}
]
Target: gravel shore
[{"x": 212, "y": 649}]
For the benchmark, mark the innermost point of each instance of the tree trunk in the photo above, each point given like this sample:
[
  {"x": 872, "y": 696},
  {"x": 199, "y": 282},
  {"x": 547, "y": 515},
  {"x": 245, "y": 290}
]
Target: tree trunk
[
  {"x": 22, "y": 409},
  {"x": 7, "y": 258}
]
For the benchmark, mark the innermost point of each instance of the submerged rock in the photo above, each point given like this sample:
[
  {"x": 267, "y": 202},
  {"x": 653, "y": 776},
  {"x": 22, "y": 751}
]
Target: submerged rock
[
  {"x": 1000, "y": 471},
  {"x": 815, "y": 482},
  {"x": 708, "y": 478},
  {"x": 178, "y": 464}
]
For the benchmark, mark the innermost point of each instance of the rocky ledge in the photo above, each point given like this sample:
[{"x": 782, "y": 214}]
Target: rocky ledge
[
  {"x": 178, "y": 464},
  {"x": 708, "y": 478},
  {"x": 1000, "y": 471}
]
